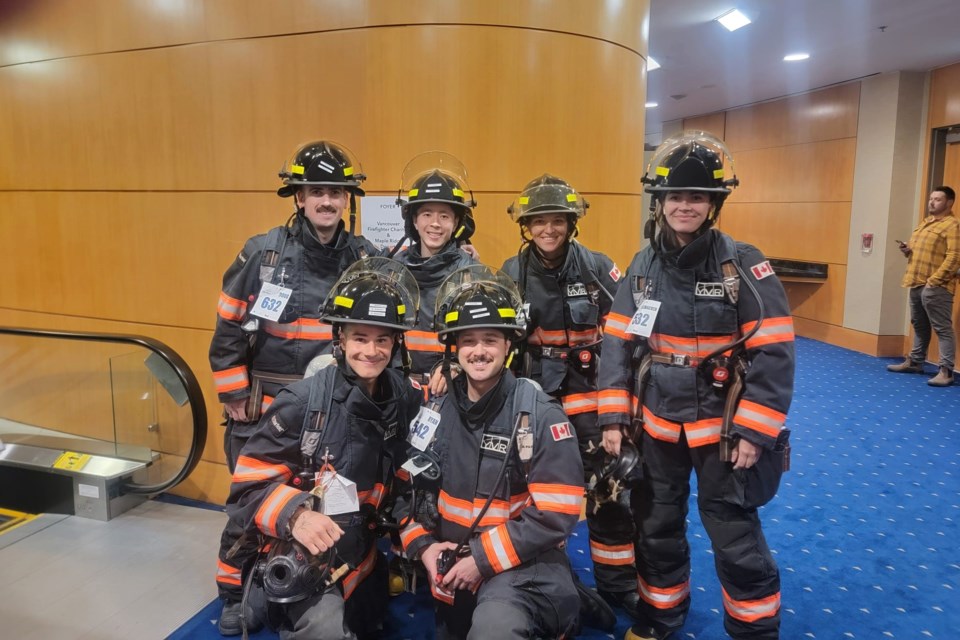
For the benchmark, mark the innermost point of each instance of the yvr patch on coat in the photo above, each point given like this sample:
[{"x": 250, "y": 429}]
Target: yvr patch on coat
[
  {"x": 497, "y": 444},
  {"x": 709, "y": 290},
  {"x": 576, "y": 289}
]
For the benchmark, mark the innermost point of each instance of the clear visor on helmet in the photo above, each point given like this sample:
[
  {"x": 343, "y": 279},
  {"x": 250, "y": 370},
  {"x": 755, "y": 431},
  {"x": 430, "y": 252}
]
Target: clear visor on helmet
[
  {"x": 547, "y": 198},
  {"x": 688, "y": 139},
  {"x": 337, "y": 160},
  {"x": 392, "y": 276},
  {"x": 425, "y": 164},
  {"x": 479, "y": 278}
]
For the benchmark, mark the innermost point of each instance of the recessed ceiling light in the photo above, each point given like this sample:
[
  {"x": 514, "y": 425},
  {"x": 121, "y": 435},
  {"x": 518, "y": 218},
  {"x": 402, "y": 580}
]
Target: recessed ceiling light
[
  {"x": 793, "y": 57},
  {"x": 652, "y": 64},
  {"x": 650, "y": 105},
  {"x": 733, "y": 20}
]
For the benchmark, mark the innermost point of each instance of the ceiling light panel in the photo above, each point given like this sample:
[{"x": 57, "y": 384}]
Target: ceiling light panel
[{"x": 733, "y": 20}]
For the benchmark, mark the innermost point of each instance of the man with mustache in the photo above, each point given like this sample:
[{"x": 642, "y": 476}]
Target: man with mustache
[
  {"x": 505, "y": 476},
  {"x": 268, "y": 325}
]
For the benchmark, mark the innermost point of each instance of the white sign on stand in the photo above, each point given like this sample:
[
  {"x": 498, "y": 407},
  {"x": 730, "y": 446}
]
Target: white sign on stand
[{"x": 380, "y": 220}]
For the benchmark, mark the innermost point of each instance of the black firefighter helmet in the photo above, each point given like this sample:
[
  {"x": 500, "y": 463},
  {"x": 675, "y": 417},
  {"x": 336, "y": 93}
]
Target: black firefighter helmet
[
  {"x": 478, "y": 297},
  {"x": 436, "y": 176},
  {"x": 321, "y": 163},
  {"x": 374, "y": 291}
]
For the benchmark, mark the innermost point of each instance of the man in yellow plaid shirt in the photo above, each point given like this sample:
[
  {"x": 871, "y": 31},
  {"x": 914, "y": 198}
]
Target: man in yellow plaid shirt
[{"x": 933, "y": 257}]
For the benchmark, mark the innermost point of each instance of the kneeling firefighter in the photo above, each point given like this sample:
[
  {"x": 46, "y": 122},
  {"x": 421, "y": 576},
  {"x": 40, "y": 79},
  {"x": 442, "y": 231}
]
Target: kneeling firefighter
[
  {"x": 501, "y": 459},
  {"x": 316, "y": 477},
  {"x": 700, "y": 340}
]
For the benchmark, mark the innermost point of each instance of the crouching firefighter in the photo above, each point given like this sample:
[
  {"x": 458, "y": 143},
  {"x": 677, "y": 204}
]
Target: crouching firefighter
[
  {"x": 317, "y": 475},
  {"x": 500, "y": 460},
  {"x": 569, "y": 290},
  {"x": 698, "y": 355}
]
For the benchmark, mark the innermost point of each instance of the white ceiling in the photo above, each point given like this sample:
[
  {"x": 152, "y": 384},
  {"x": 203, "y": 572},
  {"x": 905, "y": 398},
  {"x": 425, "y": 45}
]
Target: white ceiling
[{"x": 716, "y": 69}]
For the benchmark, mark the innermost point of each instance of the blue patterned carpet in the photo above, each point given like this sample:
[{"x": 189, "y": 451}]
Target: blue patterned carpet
[{"x": 866, "y": 528}]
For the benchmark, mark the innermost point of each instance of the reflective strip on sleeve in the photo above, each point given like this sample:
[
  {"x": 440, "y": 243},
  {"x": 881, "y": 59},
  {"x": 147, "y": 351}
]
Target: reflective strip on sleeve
[
  {"x": 659, "y": 428},
  {"x": 616, "y": 325},
  {"x": 751, "y": 610},
  {"x": 373, "y": 496},
  {"x": 663, "y": 597},
  {"x": 577, "y": 403},
  {"x": 411, "y": 533},
  {"x": 252, "y": 470},
  {"x": 265, "y": 403},
  {"x": 759, "y": 418},
  {"x": 499, "y": 549},
  {"x": 772, "y": 330},
  {"x": 302, "y": 329},
  {"x": 423, "y": 341},
  {"x": 230, "y": 308},
  {"x": 455, "y": 510},
  {"x": 272, "y": 505},
  {"x": 611, "y": 554},
  {"x": 231, "y": 379},
  {"x": 613, "y": 401},
  {"x": 560, "y": 498},
  {"x": 227, "y": 574},
  {"x": 355, "y": 577}
]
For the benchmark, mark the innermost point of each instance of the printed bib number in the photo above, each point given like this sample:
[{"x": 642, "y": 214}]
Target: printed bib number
[
  {"x": 423, "y": 427},
  {"x": 271, "y": 302},
  {"x": 641, "y": 324}
]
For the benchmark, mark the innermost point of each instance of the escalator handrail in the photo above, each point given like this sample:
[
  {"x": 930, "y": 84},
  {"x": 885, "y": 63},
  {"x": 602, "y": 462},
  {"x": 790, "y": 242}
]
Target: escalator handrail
[{"x": 187, "y": 378}]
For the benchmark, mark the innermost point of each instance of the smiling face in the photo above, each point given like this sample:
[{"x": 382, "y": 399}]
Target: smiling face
[
  {"x": 435, "y": 222},
  {"x": 367, "y": 349},
  {"x": 685, "y": 212},
  {"x": 482, "y": 354},
  {"x": 323, "y": 206},
  {"x": 549, "y": 233}
]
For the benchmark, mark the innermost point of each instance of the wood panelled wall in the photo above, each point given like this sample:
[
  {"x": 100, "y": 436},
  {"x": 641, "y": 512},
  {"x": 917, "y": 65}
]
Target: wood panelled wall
[
  {"x": 795, "y": 160},
  {"x": 142, "y": 150}
]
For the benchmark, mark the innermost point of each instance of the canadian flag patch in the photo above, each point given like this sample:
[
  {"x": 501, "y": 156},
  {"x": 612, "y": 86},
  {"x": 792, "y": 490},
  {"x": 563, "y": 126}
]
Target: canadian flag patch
[
  {"x": 561, "y": 431},
  {"x": 762, "y": 270},
  {"x": 615, "y": 273}
]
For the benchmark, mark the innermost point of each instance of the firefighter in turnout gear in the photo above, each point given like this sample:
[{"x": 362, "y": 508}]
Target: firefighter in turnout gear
[
  {"x": 507, "y": 490},
  {"x": 568, "y": 290},
  {"x": 341, "y": 433},
  {"x": 700, "y": 342},
  {"x": 437, "y": 207},
  {"x": 268, "y": 325}
]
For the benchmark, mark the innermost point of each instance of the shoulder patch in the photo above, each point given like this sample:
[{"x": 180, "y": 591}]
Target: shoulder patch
[
  {"x": 561, "y": 431},
  {"x": 615, "y": 273},
  {"x": 762, "y": 270},
  {"x": 242, "y": 257},
  {"x": 277, "y": 425}
]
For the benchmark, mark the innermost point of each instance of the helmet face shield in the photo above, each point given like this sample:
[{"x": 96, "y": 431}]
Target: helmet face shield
[
  {"x": 478, "y": 297},
  {"x": 436, "y": 176},
  {"x": 374, "y": 291},
  {"x": 547, "y": 194},
  {"x": 322, "y": 163},
  {"x": 691, "y": 161}
]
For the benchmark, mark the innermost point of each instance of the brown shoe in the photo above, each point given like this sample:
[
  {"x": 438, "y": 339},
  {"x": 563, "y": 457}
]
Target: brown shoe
[
  {"x": 944, "y": 378},
  {"x": 907, "y": 366}
]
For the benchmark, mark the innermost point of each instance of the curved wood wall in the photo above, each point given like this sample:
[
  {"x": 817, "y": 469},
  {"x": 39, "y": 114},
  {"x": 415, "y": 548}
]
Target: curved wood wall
[{"x": 141, "y": 150}]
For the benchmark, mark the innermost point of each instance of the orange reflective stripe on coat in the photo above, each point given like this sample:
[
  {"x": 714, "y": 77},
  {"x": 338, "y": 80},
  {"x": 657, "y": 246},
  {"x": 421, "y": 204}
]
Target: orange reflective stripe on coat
[
  {"x": 751, "y": 610},
  {"x": 557, "y": 338},
  {"x": 613, "y": 401},
  {"x": 463, "y": 512},
  {"x": 699, "y": 433},
  {"x": 423, "y": 341},
  {"x": 559, "y": 498},
  {"x": 662, "y": 597},
  {"x": 759, "y": 418},
  {"x": 611, "y": 554},
  {"x": 272, "y": 505},
  {"x": 772, "y": 330},
  {"x": 373, "y": 496},
  {"x": 498, "y": 547},
  {"x": 616, "y": 325},
  {"x": 698, "y": 347},
  {"x": 252, "y": 470},
  {"x": 302, "y": 329},
  {"x": 411, "y": 533},
  {"x": 577, "y": 403},
  {"x": 231, "y": 379},
  {"x": 231, "y": 308},
  {"x": 355, "y": 577}
]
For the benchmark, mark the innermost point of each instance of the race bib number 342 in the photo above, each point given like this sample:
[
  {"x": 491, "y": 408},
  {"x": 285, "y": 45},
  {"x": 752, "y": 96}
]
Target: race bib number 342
[{"x": 641, "y": 324}]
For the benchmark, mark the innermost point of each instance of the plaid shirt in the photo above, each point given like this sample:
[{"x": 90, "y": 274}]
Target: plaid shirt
[{"x": 936, "y": 253}]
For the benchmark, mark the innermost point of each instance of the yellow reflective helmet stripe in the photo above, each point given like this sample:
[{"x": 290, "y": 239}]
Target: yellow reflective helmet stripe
[
  {"x": 342, "y": 301},
  {"x": 296, "y": 168}
]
